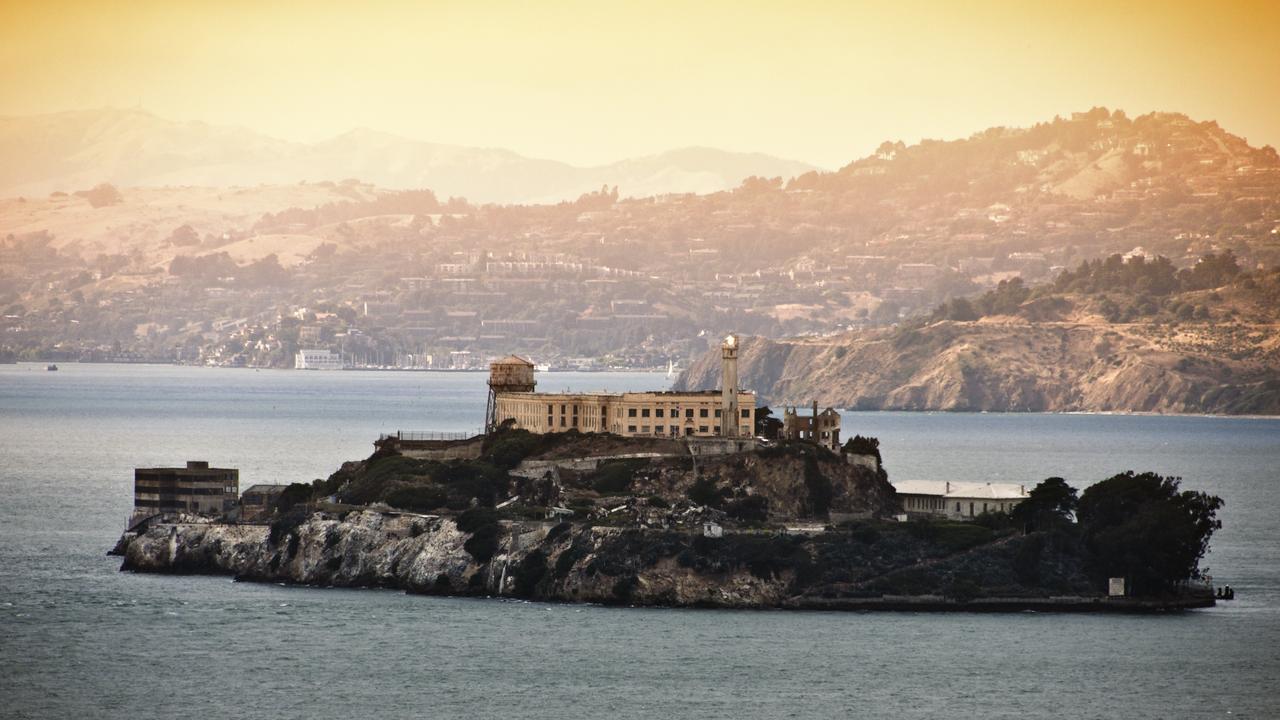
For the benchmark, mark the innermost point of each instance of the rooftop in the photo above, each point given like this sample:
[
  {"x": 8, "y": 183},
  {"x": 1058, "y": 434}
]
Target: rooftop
[{"x": 943, "y": 488}]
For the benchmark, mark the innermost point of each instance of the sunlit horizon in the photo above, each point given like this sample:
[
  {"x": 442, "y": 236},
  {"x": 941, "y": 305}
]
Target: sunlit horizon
[{"x": 593, "y": 83}]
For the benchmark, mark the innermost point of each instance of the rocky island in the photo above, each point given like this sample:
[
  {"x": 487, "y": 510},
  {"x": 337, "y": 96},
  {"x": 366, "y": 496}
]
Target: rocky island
[{"x": 592, "y": 517}]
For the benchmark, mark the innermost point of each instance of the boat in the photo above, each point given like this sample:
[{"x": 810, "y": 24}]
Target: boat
[{"x": 51, "y": 367}]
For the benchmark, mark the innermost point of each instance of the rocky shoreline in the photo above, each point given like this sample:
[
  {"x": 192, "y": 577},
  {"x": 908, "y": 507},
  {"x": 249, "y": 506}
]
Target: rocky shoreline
[{"x": 616, "y": 565}]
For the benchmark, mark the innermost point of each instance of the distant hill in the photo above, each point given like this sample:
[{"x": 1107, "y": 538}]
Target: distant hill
[
  {"x": 1109, "y": 337},
  {"x": 131, "y": 148}
]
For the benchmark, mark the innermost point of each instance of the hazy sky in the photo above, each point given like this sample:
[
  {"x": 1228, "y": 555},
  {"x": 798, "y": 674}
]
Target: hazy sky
[{"x": 597, "y": 81}]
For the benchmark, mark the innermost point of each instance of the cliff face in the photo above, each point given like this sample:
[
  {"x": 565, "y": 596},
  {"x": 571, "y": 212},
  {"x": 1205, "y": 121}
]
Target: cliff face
[
  {"x": 1009, "y": 366},
  {"x": 598, "y": 564}
]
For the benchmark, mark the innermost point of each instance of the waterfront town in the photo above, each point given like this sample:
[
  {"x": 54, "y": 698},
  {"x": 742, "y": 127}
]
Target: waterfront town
[{"x": 344, "y": 274}]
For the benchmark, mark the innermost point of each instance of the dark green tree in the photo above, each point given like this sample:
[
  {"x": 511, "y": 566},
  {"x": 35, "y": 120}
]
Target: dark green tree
[
  {"x": 767, "y": 425},
  {"x": 1143, "y": 528},
  {"x": 1049, "y": 504}
]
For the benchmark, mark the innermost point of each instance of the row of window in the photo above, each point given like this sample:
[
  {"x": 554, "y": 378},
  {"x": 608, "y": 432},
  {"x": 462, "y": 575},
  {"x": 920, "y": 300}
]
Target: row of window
[
  {"x": 674, "y": 430},
  {"x": 688, "y": 412}
]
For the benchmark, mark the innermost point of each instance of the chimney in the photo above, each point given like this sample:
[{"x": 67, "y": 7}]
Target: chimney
[
  {"x": 729, "y": 387},
  {"x": 197, "y": 464}
]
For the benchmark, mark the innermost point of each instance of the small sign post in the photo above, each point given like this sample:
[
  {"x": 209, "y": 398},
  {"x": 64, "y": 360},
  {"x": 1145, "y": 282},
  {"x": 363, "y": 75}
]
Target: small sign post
[{"x": 1116, "y": 587}]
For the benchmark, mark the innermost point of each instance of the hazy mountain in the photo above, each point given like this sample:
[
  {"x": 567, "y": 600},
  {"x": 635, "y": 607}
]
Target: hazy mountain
[{"x": 73, "y": 150}]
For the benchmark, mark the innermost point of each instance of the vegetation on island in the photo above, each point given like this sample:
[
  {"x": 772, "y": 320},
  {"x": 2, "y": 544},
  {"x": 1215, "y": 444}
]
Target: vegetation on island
[{"x": 1057, "y": 542}]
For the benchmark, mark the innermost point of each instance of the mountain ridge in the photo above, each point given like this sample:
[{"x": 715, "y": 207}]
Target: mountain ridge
[{"x": 75, "y": 149}]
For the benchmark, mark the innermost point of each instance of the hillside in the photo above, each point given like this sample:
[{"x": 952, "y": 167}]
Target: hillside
[
  {"x": 411, "y": 277},
  {"x": 132, "y": 148},
  {"x": 1051, "y": 351}
]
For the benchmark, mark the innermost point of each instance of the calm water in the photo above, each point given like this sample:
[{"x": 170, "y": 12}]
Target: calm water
[{"x": 78, "y": 638}]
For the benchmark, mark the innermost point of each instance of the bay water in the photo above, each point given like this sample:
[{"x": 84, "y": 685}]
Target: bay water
[{"x": 80, "y": 639}]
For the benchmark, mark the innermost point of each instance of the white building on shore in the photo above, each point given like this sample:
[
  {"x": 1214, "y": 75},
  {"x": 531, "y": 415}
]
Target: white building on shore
[
  {"x": 956, "y": 500},
  {"x": 317, "y": 360}
]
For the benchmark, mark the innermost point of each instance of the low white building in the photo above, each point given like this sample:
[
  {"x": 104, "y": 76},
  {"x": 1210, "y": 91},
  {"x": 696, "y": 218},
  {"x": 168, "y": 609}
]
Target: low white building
[
  {"x": 955, "y": 500},
  {"x": 317, "y": 360}
]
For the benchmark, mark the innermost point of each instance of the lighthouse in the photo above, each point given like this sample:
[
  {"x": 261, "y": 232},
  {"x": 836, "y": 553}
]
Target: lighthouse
[{"x": 729, "y": 387}]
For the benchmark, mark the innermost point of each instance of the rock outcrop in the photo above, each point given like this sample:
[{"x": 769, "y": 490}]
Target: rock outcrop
[
  {"x": 1007, "y": 366},
  {"x": 856, "y": 565}
]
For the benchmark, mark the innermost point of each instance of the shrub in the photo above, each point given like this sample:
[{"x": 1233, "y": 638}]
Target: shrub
[
  {"x": 417, "y": 498},
  {"x": 704, "y": 492},
  {"x": 530, "y": 570},
  {"x": 614, "y": 477},
  {"x": 753, "y": 508},
  {"x": 819, "y": 487},
  {"x": 476, "y": 518},
  {"x": 483, "y": 544},
  {"x": 294, "y": 494},
  {"x": 625, "y": 587},
  {"x": 285, "y": 525},
  {"x": 858, "y": 445},
  {"x": 483, "y": 525}
]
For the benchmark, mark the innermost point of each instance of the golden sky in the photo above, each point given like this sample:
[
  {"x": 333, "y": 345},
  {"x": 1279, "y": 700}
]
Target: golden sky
[{"x": 593, "y": 82}]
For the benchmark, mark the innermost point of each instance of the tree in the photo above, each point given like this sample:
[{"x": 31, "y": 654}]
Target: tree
[
  {"x": 1143, "y": 528},
  {"x": 1050, "y": 504},
  {"x": 184, "y": 236},
  {"x": 102, "y": 195},
  {"x": 767, "y": 426}
]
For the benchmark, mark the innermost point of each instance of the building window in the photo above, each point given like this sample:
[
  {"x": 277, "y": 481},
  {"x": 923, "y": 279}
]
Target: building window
[
  {"x": 717, "y": 412},
  {"x": 550, "y": 408},
  {"x": 688, "y": 412},
  {"x": 644, "y": 412},
  {"x": 657, "y": 413},
  {"x": 716, "y": 430},
  {"x": 561, "y": 421},
  {"x": 702, "y": 412},
  {"x": 575, "y": 421},
  {"x": 702, "y": 429},
  {"x": 575, "y": 409},
  {"x": 631, "y": 412},
  {"x": 632, "y": 428},
  {"x": 644, "y": 429},
  {"x": 561, "y": 409},
  {"x": 675, "y": 430},
  {"x": 746, "y": 414}
]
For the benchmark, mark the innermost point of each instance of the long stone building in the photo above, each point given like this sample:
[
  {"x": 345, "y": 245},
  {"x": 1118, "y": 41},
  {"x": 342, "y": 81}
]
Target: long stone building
[{"x": 727, "y": 412}]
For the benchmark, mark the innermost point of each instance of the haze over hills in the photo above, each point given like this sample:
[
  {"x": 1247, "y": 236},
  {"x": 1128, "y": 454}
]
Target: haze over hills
[
  {"x": 78, "y": 149},
  {"x": 246, "y": 276}
]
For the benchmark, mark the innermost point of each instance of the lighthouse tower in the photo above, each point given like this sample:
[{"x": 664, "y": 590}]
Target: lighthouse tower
[{"x": 729, "y": 387}]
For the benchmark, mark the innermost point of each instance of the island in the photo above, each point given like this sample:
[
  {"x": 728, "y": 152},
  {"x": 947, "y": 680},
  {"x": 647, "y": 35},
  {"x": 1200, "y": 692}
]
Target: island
[{"x": 598, "y": 518}]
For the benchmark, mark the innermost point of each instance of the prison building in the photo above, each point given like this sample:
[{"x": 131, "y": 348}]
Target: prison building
[
  {"x": 956, "y": 500},
  {"x": 822, "y": 428},
  {"x": 196, "y": 488},
  {"x": 727, "y": 412},
  {"x": 259, "y": 501},
  {"x": 632, "y": 414}
]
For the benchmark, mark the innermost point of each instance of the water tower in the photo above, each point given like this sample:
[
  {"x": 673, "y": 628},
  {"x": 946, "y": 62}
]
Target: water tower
[{"x": 510, "y": 374}]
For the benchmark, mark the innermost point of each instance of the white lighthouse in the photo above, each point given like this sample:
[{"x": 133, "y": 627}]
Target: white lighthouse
[{"x": 729, "y": 387}]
